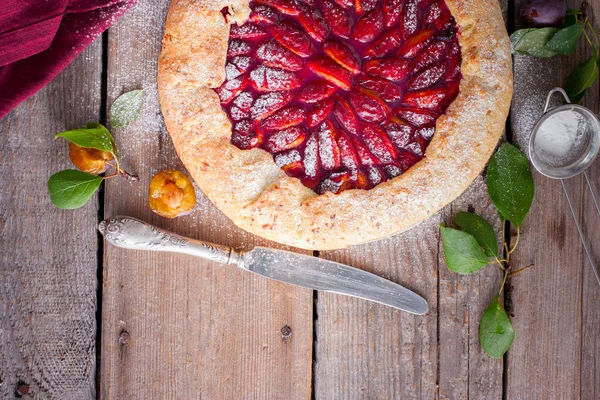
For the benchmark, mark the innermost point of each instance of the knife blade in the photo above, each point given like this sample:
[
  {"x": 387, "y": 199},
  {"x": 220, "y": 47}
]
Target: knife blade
[
  {"x": 330, "y": 276},
  {"x": 285, "y": 266}
]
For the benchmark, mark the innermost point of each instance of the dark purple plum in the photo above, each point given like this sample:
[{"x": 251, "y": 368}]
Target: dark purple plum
[{"x": 543, "y": 13}]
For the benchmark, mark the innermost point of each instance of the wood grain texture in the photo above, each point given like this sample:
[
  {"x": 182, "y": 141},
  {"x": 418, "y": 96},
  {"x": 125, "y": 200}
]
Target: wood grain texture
[
  {"x": 465, "y": 371},
  {"x": 590, "y": 317},
  {"x": 549, "y": 301},
  {"x": 367, "y": 351},
  {"x": 48, "y": 256},
  {"x": 197, "y": 329}
]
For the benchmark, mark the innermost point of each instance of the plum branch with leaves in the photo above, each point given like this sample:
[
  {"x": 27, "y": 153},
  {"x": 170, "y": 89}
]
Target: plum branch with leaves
[
  {"x": 92, "y": 149},
  {"x": 510, "y": 186},
  {"x": 554, "y": 30}
]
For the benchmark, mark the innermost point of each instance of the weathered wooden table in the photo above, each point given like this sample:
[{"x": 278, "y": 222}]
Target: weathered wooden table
[{"x": 200, "y": 330}]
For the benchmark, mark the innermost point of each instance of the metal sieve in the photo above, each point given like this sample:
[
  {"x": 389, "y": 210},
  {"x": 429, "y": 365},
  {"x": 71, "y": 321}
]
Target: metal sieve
[{"x": 564, "y": 143}]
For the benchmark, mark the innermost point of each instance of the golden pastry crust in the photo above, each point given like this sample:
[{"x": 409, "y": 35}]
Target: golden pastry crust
[{"x": 260, "y": 198}]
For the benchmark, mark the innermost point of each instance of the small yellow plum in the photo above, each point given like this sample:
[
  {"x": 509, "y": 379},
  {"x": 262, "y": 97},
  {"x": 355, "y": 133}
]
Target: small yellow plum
[
  {"x": 92, "y": 161},
  {"x": 171, "y": 194}
]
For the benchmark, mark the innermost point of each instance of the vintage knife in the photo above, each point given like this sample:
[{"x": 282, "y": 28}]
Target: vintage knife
[{"x": 285, "y": 266}]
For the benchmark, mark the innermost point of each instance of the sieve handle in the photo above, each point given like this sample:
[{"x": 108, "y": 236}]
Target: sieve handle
[
  {"x": 594, "y": 198},
  {"x": 556, "y": 90},
  {"x": 588, "y": 252}
]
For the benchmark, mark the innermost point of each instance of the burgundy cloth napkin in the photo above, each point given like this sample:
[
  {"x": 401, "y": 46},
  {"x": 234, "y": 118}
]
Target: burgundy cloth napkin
[{"x": 38, "y": 38}]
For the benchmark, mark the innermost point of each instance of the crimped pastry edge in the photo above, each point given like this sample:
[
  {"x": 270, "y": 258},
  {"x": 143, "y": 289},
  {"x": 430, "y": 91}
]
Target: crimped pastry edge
[{"x": 257, "y": 196}]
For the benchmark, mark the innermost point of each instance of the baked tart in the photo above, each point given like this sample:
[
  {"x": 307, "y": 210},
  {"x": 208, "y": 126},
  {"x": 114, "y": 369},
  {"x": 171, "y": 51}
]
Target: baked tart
[{"x": 326, "y": 123}]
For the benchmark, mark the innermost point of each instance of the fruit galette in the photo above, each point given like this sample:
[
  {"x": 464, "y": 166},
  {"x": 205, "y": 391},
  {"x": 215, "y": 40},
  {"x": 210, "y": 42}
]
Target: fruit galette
[{"x": 326, "y": 123}]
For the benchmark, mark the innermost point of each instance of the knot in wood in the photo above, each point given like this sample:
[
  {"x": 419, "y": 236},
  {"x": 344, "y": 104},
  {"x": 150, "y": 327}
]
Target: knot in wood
[
  {"x": 286, "y": 332},
  {"x": 124, "y": 338}
]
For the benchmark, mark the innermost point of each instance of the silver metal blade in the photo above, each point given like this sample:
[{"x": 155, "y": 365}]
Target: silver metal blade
[{"x": 329, "y": 276}]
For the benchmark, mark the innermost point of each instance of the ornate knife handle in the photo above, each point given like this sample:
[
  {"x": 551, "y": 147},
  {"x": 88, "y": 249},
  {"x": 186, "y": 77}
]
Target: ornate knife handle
[{"x": 131, "y": 233}]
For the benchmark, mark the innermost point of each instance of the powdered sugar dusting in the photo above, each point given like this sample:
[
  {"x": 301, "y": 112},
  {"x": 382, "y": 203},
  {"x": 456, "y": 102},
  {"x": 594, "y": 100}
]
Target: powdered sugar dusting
[
  {"x": 399, "y": 134},
  {"x": 528, "y": 102},
  {"x": 244, "y": 127},
  {"x": 283, "y": 138},
  {"x": 428, "y": 77},
  {"x": 310, "y": 157},
  {"x": 393, "y": 170},
  {"x": 283, "y": 159},
  {"x": 273, "y": 54},
  {"x": 426, "y": 133},
  {"x": 415, "y": 148},
  {"x": 238, "y": 113},
  {"x": 374, "y": 176},
  {"x": 231, "y": 72},
  {"x": 434, "y": 12},
  {"x": 411, "y": 17},
  {"x": 431, "y": 55},
  {"x": 227, "y": 91},
  {"x": 273, "y": 79},
  {"x": 244, "y": 100},
  {"x": 246, "y": 30},
  {"x": 416, "y": 118},
  {"x": 238, "y": 47},
  {"x": 268, "y": 103},
  {"x": 237, "y": 67},
  {"x": 326, "y": 147}
]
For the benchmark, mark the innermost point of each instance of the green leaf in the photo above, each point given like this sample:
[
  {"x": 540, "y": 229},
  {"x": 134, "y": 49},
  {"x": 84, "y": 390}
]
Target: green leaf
[
  {"x": 481, "y": 230},
  {"x": 533, "y": 42},
  {"x": 93, "y": 136},
  {"x": 502, "y": 219},
  {"x": 510, "y": 183},
  {"x": 106, "y": 132},
  {"x": 582, "y": 77},
  {"x": 496, "y": 333},
  {"x": 126, "y": 108},
  {"x": 516, "y": 38},
  {"x": 462, "y": 252},
  {"x": 565, "y": 40},
  {"x": 72, "y": 188}
]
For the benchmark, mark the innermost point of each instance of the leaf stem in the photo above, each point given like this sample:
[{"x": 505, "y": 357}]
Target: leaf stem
[
  {"x": 587, "y": 21},
  {"x": 513, "y": 273},
  {"x": 516, "y": 241},
  {"x": 110, "y": 176},
  {"x": 500, "y": 263},
  {"x": 588, "y": 38},
  {"x": 122, "y": 172},
  {"x": 506, "y": 271},
  {"x": 116, "y": 161}
]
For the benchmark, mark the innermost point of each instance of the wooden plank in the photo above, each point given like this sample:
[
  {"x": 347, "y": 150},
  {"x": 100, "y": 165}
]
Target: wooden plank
[
  {"x": 197, "y": 329},
  {"x": 590, "y": 317},
  {"x": 365, "y": 350},
  {"x": 590, "y": 312},
  {"x": 546, "y": 358},
  {"x": 465, "y": 371},
  {"x": 48, "y": 257}
]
